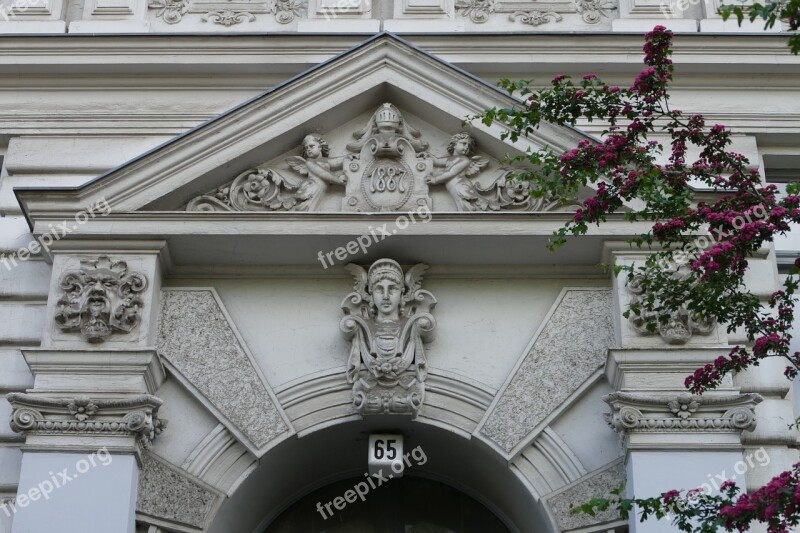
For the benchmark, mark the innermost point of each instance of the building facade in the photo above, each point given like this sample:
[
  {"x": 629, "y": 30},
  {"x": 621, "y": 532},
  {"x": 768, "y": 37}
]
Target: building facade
[{"x": 257, "y": 275}]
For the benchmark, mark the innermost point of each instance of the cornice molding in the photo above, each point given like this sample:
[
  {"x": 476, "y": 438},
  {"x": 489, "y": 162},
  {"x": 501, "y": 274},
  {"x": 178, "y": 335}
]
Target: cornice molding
[{"x": 214, "y": 51}]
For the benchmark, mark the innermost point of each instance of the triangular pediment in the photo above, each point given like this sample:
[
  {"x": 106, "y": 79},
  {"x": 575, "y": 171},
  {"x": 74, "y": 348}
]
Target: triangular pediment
[{"x": 341, "y": 100}]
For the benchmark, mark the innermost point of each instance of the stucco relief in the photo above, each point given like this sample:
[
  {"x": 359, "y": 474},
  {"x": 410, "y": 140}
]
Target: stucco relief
[
  {"x": 386, "y": 167},
  {"x": 576, "y": 336},
  {"x": 85, "y": 416},
  {"x": 100, "y": 298},
  {"x": 674, "y": 328},
  {"x": 227, "y": 14},
  {"x": 169, "y": 494},
  {"x": 536, "y": 14},
  {"x": 387, "y": 320},
  {"x": 197, "y": 339},
  {"x": 636, "y": 412}
]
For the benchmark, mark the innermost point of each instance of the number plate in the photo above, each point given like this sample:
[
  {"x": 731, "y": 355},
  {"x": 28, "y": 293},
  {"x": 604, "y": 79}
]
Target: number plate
[{"x": 385, "y": 454}]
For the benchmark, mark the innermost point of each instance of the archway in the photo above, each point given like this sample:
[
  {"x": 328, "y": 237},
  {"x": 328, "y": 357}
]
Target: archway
[{"x": 446, "y": 464}]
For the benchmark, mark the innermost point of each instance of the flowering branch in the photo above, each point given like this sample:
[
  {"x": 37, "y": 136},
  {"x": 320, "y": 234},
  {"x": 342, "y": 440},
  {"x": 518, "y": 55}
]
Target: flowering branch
[{"x": 745, "y": 215}]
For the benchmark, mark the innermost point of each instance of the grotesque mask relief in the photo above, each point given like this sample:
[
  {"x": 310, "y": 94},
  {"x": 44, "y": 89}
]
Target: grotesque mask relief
[
  {"x": 101, "y": 298},
  {"x": 387, "y": 320},
  {"x": 385, "y": 168}
]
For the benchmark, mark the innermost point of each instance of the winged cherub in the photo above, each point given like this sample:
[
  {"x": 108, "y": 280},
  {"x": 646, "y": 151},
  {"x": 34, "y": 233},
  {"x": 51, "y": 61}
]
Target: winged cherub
[
  {"x": 316, "y": 164},
  {"x": 387, "y": 319},
  {"x": 458, "y": 168}
]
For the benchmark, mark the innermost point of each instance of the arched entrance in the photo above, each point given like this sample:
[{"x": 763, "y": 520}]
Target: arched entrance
[
  {"x": 453, "y": 484},
  {"x": 406, "y": 505}
]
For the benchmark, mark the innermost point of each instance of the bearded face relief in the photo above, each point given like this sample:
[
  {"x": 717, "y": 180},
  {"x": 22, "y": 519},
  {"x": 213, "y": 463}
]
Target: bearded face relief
[{"x": 101, "y": 298}]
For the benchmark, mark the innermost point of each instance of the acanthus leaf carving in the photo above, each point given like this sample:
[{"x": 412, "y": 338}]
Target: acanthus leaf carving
[
  {"x": 478, "y": 11},
  {"x": 228, "y": 17},
  {"x": 592, "y": 11},
  {"x": 100, "y": 298},
  {"x": 536, "y": 18},
  {"x": 172, "y": 11},
  {"x": 388, "y": 319},
  {"x": 285, "y": 11}
]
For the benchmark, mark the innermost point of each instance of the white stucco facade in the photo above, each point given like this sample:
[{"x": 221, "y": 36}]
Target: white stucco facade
[{"x": 183, "y": 349}]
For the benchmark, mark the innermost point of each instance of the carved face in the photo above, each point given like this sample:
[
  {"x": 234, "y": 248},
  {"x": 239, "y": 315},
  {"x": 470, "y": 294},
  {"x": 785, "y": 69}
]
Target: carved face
[
  {"x": 461, "y": 147},
  {"x": 101, "y": 298},
  {"x": 313, "y": 148},
  {"x": 386, "y": 295}
]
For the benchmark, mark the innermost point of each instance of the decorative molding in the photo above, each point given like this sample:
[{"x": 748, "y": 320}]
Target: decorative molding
[
  {"x": 83, "y": 416},
  {"x": 675, "y": 328},
  {"x": 101, "y": 298},
  {"x": 228, "y": 17},
  {"x": 387, "y": 320},
  {"x": 197, "y": 338},
  {"x": 171, "y": 11},
  {"x": 536, "y": 18},
  {"x": 598, "y": 483},
  {"x": 576, "y": 334},
  {"x": 536, "y": 13},
  {"x": 386, "y": 168},
  {"x": 638, "y": 412},
  {"x": 478, "y": 11},
  {"x": 592, "y": 11},
  {"x": 286, "y": 11},
  {"x": 169, "y": 497}
]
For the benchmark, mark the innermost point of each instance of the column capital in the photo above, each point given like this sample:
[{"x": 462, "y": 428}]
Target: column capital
[
  {"x": 681, "y": 421},
  {"x": 85, "y": 424}
]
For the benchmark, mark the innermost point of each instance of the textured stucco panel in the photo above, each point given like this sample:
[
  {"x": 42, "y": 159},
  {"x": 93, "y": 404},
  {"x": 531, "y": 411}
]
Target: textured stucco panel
[
  {"x": 168, "y": 494},
  {"x": 596, "y": 485},
  {"x": 570, "y": 348},
  {"x": 195, "y": 337}
]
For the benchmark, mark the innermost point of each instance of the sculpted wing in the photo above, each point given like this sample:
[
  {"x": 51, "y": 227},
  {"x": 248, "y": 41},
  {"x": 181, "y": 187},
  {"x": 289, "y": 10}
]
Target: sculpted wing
[
  {"x": 298, "y": 164},
  {"x": 477, "y": 164},
  {"x": 359, "y": 279},
  {"x": 414, "y": 279}
]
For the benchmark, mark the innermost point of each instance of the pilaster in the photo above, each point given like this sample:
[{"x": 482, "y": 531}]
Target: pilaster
[
  {"x": 91, "y": 411},
  {"x": 672, "y": 439}
]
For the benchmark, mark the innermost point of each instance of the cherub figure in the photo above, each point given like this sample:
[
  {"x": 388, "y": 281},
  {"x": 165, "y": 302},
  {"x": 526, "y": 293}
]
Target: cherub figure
[
  {"x": 316, "y": 164},
  {"x": 387, "y": 318},
  {"x": 458, "y": 168}
]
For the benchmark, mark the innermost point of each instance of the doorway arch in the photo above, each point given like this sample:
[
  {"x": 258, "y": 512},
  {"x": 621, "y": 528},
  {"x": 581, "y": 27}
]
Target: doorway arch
[{"x": 294, "y": 470}]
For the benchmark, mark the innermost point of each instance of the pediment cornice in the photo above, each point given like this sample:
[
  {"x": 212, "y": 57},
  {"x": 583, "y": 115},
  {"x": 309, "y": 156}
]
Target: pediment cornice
[{"x": 380, "y": 69}]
